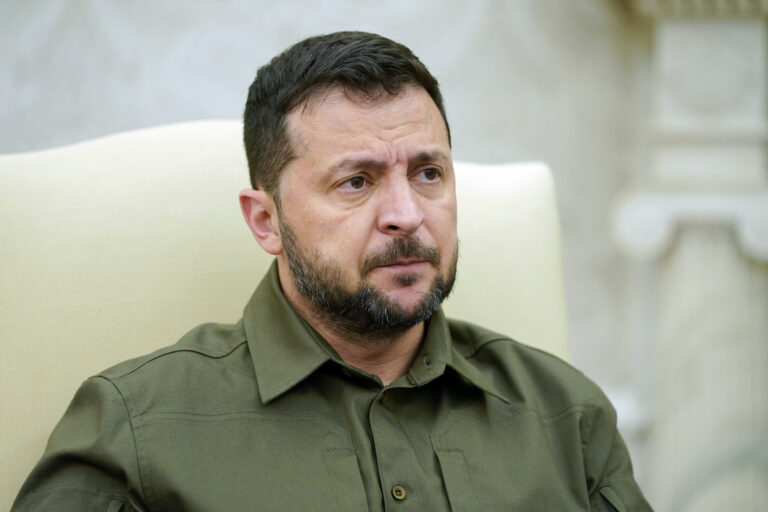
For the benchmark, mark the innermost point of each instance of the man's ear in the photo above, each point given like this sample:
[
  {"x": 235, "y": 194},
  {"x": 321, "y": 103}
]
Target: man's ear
[{"x": 260, "y": 214}]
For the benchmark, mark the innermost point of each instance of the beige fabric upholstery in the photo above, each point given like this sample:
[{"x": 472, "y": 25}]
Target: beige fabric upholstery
[{"x": 115, "y": 247}]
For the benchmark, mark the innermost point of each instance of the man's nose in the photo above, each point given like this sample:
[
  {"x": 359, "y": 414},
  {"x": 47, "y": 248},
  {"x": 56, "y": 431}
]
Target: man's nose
[{"x": 400, "y": 211}]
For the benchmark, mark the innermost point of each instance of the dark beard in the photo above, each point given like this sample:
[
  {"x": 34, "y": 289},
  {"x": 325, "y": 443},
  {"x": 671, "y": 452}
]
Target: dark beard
[{"x": 365, "y": 312}]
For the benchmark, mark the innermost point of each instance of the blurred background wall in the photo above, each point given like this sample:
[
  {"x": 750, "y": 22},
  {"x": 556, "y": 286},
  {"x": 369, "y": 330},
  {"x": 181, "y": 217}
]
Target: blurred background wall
[{"x": 650, "y": 113}]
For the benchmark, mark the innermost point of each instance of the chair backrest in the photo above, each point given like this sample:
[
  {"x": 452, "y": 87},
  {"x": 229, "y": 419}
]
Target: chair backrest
[{"x": 115, "y": 247}]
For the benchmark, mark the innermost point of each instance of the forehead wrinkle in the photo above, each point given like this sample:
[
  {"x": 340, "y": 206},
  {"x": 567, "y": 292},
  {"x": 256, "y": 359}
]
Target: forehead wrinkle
[
  {"x": 337, "y": 93},
  {"x": 391, "y": 159},
  {"x": 383, "y": 149}
]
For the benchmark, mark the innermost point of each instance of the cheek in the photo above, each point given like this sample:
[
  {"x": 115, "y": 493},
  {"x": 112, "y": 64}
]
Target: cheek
[
  {"x": 443, "y": 222},
  {"x": 345, "y": 237}
]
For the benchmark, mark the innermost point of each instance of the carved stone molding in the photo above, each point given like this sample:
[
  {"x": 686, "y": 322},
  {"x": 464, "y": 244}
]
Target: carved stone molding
[
  {"x": 744, "y": 132},
  {"x": 645, "y": 222},
  {"x": 668, "y": 8},
  {"x": 707, "y": 68}
]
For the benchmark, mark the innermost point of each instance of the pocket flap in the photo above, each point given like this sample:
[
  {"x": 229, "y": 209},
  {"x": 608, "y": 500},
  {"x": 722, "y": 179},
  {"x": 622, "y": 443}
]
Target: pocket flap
[{"x": 612, "y": 501}]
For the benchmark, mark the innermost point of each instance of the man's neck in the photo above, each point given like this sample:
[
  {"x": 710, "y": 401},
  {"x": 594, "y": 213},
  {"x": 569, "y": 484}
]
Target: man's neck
[{"x": 387, "y": 358}]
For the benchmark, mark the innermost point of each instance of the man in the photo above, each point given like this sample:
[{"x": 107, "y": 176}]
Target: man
[{"x": 343, "y": 387}]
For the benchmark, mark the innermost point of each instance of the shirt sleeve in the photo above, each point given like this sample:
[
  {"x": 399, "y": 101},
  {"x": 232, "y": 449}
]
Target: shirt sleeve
[
  {"x": 611, "y": 483},
  {"x": 90, "y": 462}
]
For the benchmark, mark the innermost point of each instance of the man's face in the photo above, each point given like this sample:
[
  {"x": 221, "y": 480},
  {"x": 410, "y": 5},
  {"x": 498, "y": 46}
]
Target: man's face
[{"x": 367, "y": 215}]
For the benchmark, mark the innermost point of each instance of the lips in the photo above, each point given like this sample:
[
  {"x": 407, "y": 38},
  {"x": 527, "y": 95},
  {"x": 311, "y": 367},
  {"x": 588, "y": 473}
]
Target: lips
[
  {"x": 404, "y": 262},
  {"x": 410, "y": 266}
]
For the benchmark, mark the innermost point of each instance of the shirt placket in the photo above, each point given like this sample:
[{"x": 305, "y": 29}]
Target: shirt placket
[{"x": 404, "y": 485}]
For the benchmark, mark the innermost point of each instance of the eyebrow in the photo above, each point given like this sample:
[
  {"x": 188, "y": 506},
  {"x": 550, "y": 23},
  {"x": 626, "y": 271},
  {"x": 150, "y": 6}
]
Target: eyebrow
[
  {"x": 429, "y": 156},
  {"x": 422, "y": 157},
  {"x": 351, "y": 164}
]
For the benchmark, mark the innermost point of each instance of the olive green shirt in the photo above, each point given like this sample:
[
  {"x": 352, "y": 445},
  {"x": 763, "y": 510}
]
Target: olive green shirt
[{"x": 264, "y": 415}]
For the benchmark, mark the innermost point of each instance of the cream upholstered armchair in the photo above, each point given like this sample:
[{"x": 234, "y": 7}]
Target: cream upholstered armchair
[{"x": 115, "y": 247}]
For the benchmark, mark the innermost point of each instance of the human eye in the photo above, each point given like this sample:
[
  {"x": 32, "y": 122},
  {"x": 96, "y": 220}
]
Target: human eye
[
  {"x": 429, "y": 175},
  {"x": 354, "y": 183}
]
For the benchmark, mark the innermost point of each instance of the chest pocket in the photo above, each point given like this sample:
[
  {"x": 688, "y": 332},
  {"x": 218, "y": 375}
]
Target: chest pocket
[
  {"x": 516, "y": 463},
  {"x": 247, "y": 461}
]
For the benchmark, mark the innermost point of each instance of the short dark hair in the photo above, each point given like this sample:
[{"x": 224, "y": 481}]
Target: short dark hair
[{"x": 367, "y": 65}]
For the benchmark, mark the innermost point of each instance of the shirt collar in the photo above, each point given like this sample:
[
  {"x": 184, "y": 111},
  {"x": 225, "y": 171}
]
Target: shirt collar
[
  {"x": 286, "y": 350},
  {"x": 438, "y": 352},
  {"x": 283, "y": 346}
]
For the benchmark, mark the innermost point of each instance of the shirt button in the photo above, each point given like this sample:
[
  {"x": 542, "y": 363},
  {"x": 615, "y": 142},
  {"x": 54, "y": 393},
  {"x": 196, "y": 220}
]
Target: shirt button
[
  {"x": 398, "y": 492},
  {"x": 384, "y": 397}
]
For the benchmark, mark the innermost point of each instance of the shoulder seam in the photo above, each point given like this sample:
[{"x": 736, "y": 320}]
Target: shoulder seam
[
  {"x": 482, "y": 345},
  {"x": 171, "y": 351}
]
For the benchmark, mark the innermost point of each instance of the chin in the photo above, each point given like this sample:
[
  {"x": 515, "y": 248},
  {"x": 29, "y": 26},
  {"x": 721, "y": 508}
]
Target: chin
[{"x": 407, "y": 298}]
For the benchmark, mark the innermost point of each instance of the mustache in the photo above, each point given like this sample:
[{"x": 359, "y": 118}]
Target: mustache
[{"x": 410, "y": 247}]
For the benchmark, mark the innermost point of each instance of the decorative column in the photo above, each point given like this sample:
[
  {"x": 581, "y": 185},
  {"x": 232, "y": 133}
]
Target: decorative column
[{"x": 699, "y": 215}]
